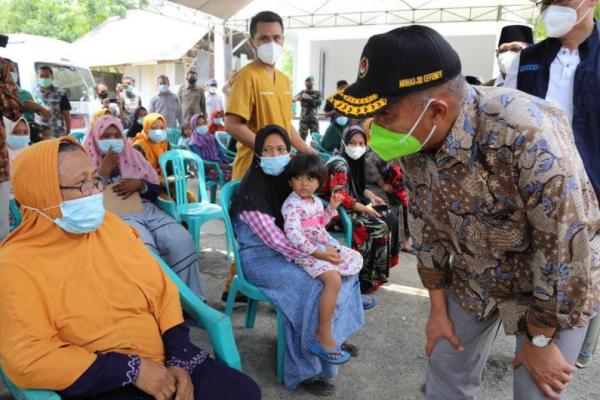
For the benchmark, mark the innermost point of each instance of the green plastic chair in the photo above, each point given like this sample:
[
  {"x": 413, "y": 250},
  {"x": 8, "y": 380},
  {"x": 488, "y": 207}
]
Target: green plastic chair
[
  {"x": 217, "y": 325},
  {"x": 223, "y": 140},
  {"x": 239, "y": 283},
  {"x": 325, "y": 156},
  {"x": 346, "y": 234},
  {"x": 173, "y": 136},
  {"x": 15, "y": 214},
  {"x": 316, "y": 138},
  {"x": 78, "y": 135},
  {"x": 193, "y": 214}
]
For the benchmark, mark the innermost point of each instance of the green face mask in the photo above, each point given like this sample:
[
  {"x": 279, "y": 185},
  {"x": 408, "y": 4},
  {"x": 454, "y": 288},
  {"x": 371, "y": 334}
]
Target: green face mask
[{"x": 390, "y": 145}]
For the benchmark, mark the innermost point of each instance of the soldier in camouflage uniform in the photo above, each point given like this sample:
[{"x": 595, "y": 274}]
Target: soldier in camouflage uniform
[{"x": 310, "y": 100}]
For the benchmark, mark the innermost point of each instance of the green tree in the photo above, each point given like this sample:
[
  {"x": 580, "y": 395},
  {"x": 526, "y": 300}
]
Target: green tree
[{"x": 62, "y": 19}]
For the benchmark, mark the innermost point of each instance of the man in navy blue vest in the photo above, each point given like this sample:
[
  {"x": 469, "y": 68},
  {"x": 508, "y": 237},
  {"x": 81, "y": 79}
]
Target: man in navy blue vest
[{"x": 565, "y": 69}]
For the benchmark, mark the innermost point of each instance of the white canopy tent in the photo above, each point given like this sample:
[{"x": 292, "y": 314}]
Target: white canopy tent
[{"x": 326, "y": 36}]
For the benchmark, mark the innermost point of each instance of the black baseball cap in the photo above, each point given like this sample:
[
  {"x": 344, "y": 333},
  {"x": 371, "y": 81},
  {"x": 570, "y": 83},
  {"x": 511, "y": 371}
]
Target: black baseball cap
[
  {"x": 394, "y": 64},
  {"x": 516, "y": 33}
]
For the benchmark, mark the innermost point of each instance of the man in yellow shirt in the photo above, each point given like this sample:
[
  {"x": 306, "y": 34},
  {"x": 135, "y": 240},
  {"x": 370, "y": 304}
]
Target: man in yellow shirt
[{"x": 260, "y": 94}]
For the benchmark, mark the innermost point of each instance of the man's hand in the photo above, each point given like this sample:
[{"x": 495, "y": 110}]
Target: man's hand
[
  {"x": 183, "y": 383},
  {"x": 155, "y": 380},
  {"x": 336, "y": 200},
  {"x": 108, "y": 164},
  {"x": 440, "y": 326},
  {"x": 547, "y": 367},
  {"x": 127, "y": 187}
]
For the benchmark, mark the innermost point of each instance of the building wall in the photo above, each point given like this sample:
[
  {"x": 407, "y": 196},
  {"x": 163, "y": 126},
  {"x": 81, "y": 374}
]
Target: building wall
[{"x": 342, "y": 58}]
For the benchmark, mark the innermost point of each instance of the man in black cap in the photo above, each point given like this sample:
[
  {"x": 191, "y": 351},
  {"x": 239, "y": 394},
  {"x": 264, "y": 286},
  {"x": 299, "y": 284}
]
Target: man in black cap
[
  {"x": 505, "y": 222},
  {"x": 513, "y": 39}
]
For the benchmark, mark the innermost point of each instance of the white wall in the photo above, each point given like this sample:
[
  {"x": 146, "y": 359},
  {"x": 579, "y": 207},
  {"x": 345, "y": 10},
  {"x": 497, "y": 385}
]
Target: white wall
[{"x": 476, "y": 53}]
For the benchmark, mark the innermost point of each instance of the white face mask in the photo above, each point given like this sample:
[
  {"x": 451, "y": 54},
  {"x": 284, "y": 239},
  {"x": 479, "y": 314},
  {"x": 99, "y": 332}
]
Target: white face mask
[
  {"x": 269, "y": 53},
  {"x": 355, "y": 152},
  {"x": 505, "y": 60},
  {"x": 559, "y": 20}
]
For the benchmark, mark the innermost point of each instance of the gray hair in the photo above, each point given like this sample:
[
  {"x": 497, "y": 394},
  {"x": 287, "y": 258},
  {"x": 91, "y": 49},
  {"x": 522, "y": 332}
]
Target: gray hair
[{"x": 456, "y": 87}]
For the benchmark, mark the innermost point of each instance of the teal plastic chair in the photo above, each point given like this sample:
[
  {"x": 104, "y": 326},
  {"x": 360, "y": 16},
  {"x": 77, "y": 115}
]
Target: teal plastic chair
[
  {"x": 193, "y": 214},
  {"x": 217, "y": 325},
  {"x": 78, "y": 135},
  {"x": 325, "y": 156},
  {"x": 15, "y": 214},
  {"x": 316, "y": 138},
  {"x": 346, "y": 234},
  {"x": 223, "y": 140},
  {"x": 213, "y": 185},
  {"x": 173, "y": 136},
  {"x": 239, "y": 283}
]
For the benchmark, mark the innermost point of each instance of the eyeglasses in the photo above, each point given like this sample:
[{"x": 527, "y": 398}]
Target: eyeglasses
[{"x": 87, "y": 188}]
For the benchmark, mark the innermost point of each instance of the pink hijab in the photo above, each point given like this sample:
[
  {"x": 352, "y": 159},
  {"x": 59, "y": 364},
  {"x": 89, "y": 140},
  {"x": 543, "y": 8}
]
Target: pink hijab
[{"x": 132, "y": 163}]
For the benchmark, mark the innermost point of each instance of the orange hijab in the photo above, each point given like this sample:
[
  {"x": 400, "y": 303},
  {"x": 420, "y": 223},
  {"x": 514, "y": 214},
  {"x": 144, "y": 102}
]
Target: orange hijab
[
  {"x": 65, "y": 297},
  {"x": 152, "y": 151}
]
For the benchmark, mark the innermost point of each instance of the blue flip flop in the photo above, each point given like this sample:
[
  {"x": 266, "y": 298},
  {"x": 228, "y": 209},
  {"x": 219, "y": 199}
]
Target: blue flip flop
[
  {"x": 368, "y": 302},
  {"x": 323, "y": 354}
]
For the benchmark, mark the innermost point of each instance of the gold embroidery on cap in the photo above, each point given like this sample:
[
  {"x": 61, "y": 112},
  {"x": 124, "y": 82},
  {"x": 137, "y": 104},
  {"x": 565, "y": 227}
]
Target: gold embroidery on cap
[
  {"x": 356, "y": 100},
  {"x": 350, "y": 109},
  {"x": 419, "y": 80}
]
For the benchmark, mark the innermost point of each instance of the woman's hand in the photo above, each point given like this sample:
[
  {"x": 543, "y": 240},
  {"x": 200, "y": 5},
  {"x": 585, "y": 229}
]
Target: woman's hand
[
  {"x": 387, "y": 188},
  {"x": 108, "y": 164},
  {"x": 127, "y": 187},
  {"x": 366, "y": 209},
  {"x": 156, "y": 380},
  {"x": 336, "y": 200},
  {"x": 373, "y": 198},
  {"x": 183, "y": 383}
]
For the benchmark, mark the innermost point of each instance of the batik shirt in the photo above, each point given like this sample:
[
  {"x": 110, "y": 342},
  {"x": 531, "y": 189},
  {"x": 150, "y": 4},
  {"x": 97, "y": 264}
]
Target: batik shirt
[
  {"x": 56, "y": 100},
  {"x": 503, "y": 215}
]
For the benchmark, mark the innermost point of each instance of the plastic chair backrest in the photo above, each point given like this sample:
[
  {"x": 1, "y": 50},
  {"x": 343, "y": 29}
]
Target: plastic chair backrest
[
  {"x": 16, "y": 214},
  {"x": 173, "y": 136},
  {"x": 227, "y": 193},
  {"x": 316, "y": 137},
  {"x": 178, "y": 160},
  {"x": 223, "y": 137},
  {"x": 78, "y": 135}
]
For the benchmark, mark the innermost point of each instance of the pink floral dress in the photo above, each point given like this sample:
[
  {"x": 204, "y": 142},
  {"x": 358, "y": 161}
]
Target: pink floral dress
[{"x": 304, "y": 227}]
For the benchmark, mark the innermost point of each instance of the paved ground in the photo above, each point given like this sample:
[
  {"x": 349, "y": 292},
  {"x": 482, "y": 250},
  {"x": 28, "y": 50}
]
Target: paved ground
[{"x": 391, "y": 365}]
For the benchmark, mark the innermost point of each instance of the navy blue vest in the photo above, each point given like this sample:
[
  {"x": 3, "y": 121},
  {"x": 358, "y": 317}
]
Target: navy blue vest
[{"x": 533, "y": 77}]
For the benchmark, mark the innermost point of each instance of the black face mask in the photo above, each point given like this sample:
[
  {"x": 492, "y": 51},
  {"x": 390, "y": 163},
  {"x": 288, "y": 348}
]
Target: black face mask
[
  {"x": 309, "y": 86},
  {"x": 192, "y": 81},
  {"x": 103, "y": 95}
]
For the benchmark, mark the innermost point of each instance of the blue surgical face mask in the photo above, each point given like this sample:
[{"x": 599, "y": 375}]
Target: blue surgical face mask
[
  {"x": 163, "y": 88},
  {"x": 79, "y": 216},
  {"x": 115, "y": 144},
  {"x": 157, "y": 135},
  {"x": 185, "y": 141},
  {"x": 274, "y": 166},
  {"x": 202, "y": 130},
  {"x": 218, "y": 121},
  {"x": 45, "y": 82},
  {"x": 15, "y": 77},
  {"x": 140, "y": 120},
  {"x": 342, "y": 120},
  {"x": 17, "y": 141}
]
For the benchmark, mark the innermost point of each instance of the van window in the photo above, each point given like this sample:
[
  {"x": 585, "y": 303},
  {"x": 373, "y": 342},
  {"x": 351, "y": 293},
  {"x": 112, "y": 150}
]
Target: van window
[{"x": 78, "y": 83}]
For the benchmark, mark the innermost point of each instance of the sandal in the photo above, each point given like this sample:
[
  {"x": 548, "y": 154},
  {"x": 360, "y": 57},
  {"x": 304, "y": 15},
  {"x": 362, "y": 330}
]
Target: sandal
[
  {"x": 368, "y": 302},
  {"x": 323, "y": 354},
  {"x": 351, "y": 349},
  {"x": 318, "y": 387}
]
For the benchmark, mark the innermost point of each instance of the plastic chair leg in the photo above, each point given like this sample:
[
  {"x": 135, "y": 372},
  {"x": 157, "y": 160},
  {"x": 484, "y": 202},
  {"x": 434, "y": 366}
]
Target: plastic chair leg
[
  {"x": 280, "y": 345},
  {"x": 233, "y": 290},
  {"x": 251, "y": 313},
  {"x": 213, "y": 194}
]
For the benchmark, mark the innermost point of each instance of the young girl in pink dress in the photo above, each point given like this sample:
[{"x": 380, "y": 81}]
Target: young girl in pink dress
[{"x": 305, "y": 219}]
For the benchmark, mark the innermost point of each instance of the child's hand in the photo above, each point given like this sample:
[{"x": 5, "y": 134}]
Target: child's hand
[
  {"x": 329, "y": 256},
  {"x": 336, "y": 200}
]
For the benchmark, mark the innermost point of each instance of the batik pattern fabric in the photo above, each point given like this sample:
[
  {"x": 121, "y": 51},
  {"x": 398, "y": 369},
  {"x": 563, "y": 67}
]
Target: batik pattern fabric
[
  {"x": 503, "y": 215},
  {"x": 9, "y": 108},
  {"x": 54, "y": 99},
  {"x": 304, "y": 226},
  {"x": 370, "y": 235}
]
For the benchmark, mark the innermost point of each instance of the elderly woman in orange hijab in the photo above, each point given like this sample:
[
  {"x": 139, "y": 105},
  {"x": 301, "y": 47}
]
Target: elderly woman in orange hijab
[{"x": 86, "y": 310}]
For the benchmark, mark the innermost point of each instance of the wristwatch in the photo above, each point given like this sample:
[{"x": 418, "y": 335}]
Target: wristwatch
[{"x": 539, "y": 340}]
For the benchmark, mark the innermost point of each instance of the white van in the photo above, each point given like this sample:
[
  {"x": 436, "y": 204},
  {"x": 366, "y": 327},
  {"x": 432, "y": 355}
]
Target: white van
[{"x": 30, "y": 52}]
